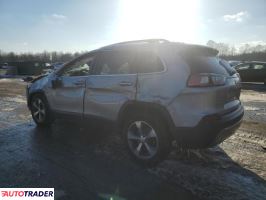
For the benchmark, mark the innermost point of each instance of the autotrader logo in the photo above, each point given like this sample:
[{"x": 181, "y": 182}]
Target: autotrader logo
[{"x": 26, "y": 193}]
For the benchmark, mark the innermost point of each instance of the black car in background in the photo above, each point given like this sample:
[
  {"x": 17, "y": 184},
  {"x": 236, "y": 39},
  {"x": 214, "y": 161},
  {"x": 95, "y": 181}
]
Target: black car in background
[
  {"x": 252, "y": 71},
  {"x": 233, "y": 63}
]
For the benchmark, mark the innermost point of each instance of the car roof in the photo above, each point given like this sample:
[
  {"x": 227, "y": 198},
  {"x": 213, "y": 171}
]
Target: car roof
[
  {"x": 134, "y": 43},
  {"x": 151, "y": 43}
]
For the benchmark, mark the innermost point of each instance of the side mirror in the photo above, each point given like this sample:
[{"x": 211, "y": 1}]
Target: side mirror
[{"x": 57, "y": 82}]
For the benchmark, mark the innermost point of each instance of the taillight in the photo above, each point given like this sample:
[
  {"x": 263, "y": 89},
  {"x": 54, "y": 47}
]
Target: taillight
[{"x": 206, "y": 80}]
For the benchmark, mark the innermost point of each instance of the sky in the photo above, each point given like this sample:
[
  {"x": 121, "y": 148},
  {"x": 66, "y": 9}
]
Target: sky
[{"x": 82, "y": 25}]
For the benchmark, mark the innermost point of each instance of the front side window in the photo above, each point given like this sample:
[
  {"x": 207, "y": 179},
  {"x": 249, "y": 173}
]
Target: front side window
[
  {"x": 114, "y": 62},
  {"x": 81, "y": 67}
]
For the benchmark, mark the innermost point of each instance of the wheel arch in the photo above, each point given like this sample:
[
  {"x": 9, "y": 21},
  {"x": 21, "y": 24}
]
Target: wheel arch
[
  {"x": 145, "y": 107},
  {"x": 37, "y": 92}
]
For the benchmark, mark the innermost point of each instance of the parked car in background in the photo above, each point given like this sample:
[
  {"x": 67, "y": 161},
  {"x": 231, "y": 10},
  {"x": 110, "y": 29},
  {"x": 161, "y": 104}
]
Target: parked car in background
[
  {"x": 252, "y": 71},
  {"x": 4, "y": 66},
  {"x": 22, "y": 68},
  {"x": 155, "y": 91},
  {"x": 3, "y": 69},
  {"x": 233, "y": 63}
]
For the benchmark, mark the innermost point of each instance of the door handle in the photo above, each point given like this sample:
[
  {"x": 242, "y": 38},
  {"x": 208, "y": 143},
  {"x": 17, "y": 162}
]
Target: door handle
[{"x": 125, "y": 83}]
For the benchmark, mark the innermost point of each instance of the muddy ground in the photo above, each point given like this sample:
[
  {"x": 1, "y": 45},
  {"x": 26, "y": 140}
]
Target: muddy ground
[{"x": 81, "y": 164}]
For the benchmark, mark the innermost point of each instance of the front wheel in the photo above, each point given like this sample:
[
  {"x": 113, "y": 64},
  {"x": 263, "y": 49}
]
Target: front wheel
[
  {"x": 40, "y": 110},
  {"x": 147, "y": 139}
]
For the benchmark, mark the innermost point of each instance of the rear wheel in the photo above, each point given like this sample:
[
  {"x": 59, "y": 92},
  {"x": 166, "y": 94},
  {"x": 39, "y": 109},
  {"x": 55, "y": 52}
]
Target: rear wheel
[
  {"x": 40, "y": 110},
  {"x": 146, "y": 138}
]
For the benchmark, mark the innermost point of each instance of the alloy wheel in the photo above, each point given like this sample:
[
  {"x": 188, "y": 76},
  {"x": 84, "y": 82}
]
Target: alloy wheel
[
  {"x": 38, "y": 110},
  {"x": 142, "y": 140}
]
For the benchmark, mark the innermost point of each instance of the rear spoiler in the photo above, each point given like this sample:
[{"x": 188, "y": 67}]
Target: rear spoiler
[{"x": 191, "y": 49}]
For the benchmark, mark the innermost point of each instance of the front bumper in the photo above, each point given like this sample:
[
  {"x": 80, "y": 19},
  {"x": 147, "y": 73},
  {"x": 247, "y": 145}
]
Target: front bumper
[{"x": 211, "y": 130}]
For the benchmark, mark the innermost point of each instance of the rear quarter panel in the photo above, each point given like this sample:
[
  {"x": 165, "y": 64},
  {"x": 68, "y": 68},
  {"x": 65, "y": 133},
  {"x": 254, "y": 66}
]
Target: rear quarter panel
[
  {"x": 188, "y": 108},
  {"x": 162, "y": 87}
]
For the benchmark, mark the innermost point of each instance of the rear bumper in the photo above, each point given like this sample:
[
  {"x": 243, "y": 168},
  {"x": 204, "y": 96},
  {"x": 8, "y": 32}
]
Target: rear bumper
[{"x": 211, "y": 130}]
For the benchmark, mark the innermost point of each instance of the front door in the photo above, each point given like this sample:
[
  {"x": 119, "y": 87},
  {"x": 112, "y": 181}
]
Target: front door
[{"x": 69, "y": 86}]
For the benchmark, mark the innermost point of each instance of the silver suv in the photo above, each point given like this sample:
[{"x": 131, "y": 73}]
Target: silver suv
[{"x": 155, "y": 91}]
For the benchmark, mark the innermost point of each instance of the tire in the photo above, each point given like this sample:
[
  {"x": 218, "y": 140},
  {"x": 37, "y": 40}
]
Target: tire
[
  {"x": 146, "y": 138},
  {"x": 40, "y": 111},
  {"x": 264, "y": 81}
]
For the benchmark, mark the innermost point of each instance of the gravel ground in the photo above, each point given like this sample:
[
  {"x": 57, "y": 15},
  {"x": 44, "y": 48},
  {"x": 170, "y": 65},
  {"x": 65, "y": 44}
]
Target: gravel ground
[
  {"x": 236, "y": 169},
  {"x": 255, "y": 105}
]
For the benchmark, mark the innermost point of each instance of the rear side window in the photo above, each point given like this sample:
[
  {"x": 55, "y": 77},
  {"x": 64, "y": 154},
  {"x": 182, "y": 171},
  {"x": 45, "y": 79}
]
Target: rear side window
[
  {"x": 202, "y": 59},
  {"x": 205, "y": 64},
  {"x": 147, "y": 62},
  {"x": 114, "y": 62}
]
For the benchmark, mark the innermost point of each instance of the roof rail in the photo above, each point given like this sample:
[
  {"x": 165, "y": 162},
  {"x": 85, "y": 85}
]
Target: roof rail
[
  {"x": 147, "y": 41},
  {"x": 138, "y": 41}
]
